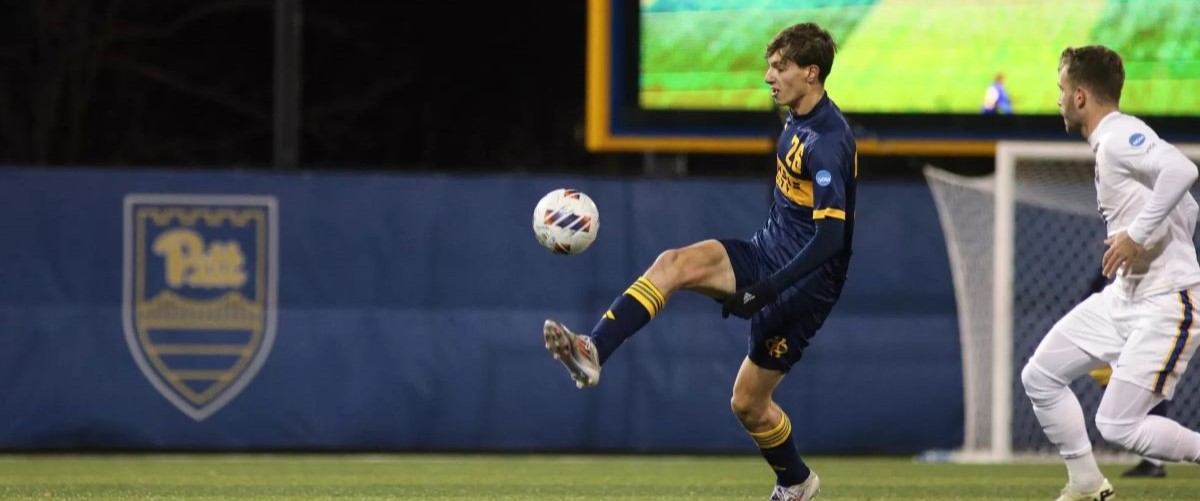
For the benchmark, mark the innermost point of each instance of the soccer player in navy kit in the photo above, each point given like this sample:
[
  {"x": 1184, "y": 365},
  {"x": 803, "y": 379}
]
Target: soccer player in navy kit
[{"x": 785, "y": 279}]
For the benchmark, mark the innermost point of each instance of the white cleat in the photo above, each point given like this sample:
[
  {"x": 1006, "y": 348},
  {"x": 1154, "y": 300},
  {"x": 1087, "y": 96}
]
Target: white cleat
[
  {"x": 799, "y": 492},
  {"x": 1103, "y": 493},
  {"x": 576, "y": 352}
]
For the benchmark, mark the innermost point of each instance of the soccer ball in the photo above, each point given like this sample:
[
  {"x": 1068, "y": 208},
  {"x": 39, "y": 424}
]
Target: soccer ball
[{"x": 566, "y": 221}]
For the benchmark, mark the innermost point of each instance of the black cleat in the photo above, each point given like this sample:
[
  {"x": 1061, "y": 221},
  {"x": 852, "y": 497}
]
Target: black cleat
[{"x": 1145, "y": 469}]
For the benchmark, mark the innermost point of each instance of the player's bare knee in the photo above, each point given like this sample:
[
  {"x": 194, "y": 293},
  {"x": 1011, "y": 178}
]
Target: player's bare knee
[
  {"x": 675, "y": 268},
  {"x": 749, "y": 411},
  {"x": 668, "y": 264},
  {"x": 742, "y": 409}
]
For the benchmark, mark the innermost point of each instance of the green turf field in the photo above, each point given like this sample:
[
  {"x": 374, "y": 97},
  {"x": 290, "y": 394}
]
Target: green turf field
[{"x": 534, "y": 478}]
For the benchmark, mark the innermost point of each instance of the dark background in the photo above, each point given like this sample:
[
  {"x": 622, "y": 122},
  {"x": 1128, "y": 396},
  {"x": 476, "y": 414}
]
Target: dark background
[{"x": 386, "y": 85}]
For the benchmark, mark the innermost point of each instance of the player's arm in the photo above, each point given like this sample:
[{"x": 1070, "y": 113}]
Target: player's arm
[
  {"x": 1173, "y": 175},
  {"x": 828, "y": 241},
  {"x": 825, "y": 244}
]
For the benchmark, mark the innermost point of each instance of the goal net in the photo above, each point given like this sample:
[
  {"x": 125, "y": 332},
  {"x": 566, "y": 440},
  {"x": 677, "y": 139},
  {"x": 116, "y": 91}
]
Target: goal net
[{"x": 1025, "y": 244}]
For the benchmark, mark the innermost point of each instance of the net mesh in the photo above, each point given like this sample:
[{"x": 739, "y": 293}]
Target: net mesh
[{"x": 1057, "y": 251}]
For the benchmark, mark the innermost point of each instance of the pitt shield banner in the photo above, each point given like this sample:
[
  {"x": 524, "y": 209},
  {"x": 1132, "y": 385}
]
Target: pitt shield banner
[{"x": 200, "y": 293}]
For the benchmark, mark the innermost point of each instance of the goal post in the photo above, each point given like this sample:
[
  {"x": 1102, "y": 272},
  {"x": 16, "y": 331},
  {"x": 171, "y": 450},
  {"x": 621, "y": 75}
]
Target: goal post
[{"x": 1024, "y": 245}]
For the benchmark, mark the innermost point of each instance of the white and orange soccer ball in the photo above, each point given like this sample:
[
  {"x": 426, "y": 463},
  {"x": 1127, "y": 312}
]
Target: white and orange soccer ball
[{"x": 566, "y": 221}]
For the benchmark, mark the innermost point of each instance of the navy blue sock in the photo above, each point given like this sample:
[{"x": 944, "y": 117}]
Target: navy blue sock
[
  {"x": 779, "y": 449},
  {"x": 628, "y": 313}
]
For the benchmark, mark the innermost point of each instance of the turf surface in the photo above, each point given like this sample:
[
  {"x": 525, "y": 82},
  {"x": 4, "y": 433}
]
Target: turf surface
[{"x": 534, "y": 478}]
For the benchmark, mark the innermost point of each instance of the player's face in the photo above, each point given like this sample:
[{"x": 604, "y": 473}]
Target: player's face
[
  {"x": 1069, "y": 103},
  {"x": 789, "y": 82}
]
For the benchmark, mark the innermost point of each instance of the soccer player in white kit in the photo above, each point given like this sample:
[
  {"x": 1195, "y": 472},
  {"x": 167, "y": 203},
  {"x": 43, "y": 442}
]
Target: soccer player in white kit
[{"x": 1142, "y": 324}]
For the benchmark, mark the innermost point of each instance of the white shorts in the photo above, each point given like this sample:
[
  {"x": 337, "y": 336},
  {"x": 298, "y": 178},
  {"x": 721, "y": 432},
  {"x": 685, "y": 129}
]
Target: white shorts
[{"x": 1148, "y": 341}]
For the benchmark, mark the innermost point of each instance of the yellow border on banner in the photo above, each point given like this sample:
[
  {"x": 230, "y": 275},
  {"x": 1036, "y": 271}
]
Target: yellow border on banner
[
  {"x": 599, "y": 26},
  {"x": 598, "y": 124}
]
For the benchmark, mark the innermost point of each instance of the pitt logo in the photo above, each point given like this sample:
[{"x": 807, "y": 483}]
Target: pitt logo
[
  {"x": 777, "y": 346},
  {"x": 200, "y": 294}
]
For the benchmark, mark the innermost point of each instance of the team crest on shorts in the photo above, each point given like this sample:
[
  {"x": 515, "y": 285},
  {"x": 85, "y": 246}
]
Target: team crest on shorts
[
  {"x": 777, "y": 346},
  {"x": 199, "y": 299}
]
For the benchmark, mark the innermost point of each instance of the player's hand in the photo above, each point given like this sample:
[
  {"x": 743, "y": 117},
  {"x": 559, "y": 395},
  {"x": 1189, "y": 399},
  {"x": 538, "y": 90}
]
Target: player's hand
[
  {"x": 747, "y": 301},
  {"x": 1122, "y": 251}
]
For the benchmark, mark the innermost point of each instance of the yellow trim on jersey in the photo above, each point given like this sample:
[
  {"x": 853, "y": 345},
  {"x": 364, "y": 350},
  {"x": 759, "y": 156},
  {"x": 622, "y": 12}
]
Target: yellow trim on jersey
[
  {"x": 609, "y": 315},
  {"x": 799, "y": 191},
  {"x": 775, "y": 436},
  {"x": 830, "y": 212}
]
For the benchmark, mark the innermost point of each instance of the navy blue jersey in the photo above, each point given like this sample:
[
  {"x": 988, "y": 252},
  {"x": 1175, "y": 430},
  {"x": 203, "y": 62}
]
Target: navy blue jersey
[{"x": 815, "y": 177}]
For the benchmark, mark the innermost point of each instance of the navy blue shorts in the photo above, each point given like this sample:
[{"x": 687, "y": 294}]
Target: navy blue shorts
[{"x": 782, "y": 329}]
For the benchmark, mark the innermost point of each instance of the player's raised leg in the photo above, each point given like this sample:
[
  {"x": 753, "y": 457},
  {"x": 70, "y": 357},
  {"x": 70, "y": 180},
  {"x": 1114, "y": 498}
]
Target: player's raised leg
[
  {"x": 771, "y": 429},
  {"x": 1047, "y": 376},
  {"x": 703, "y": 267},
  {"x": 1148, "y": 467},
  {"x": 1124, "y": 420},
  {"x": 1157, "y": 353}
]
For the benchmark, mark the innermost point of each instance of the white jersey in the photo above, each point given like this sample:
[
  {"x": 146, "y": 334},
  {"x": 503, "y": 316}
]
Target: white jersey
[{"x": 1128, "y": 161}]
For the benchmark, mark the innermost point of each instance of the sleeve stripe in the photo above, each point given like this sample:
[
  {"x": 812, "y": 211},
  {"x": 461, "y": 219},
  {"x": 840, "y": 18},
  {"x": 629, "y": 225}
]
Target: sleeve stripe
[{"x": 830, "y": 212}]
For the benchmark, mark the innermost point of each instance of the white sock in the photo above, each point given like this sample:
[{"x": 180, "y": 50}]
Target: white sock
[
  {"x": 1061, "y": 417},
  {"x": 1083, "y": 473},
  {"x": 1046, "y": 378}
]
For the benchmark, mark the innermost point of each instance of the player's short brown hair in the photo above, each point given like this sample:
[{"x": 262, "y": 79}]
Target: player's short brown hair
[
  {"x": 1095, "y": 68},
  {"x": 805, "y": 44}
]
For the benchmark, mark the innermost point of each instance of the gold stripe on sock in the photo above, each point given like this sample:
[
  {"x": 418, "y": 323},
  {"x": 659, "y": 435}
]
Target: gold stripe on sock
[
  {"x": 653, "y": 289},
  {"x": 645, "y": 301},
  {"x": 641, "y": 291},
  {"x": 647, "y": 294},
  {"x": 775, "y": 436},
  {"x": 650, "y": 291}
]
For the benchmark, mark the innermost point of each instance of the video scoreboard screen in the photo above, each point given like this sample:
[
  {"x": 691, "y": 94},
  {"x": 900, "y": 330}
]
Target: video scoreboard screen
[{"x": 687, "y": 75}]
